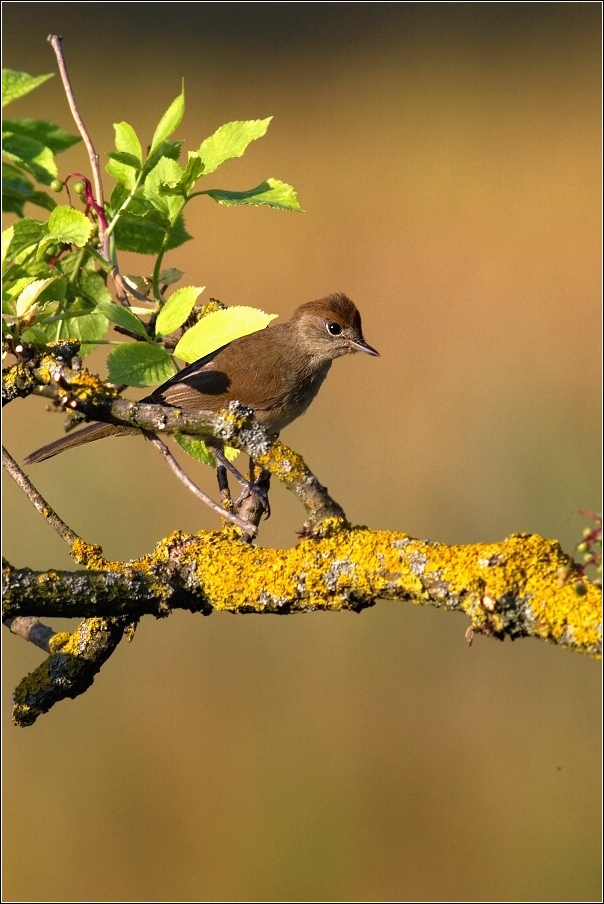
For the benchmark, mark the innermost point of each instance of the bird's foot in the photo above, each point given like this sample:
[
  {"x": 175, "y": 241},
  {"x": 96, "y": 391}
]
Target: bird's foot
[{"x": 258, "y": 489}]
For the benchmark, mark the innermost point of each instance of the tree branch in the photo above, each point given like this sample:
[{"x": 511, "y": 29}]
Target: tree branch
[
  {"x": 39, "y": 503},
  {"x": 508, "y": 589},
  {"x": 56, "y": 41}
]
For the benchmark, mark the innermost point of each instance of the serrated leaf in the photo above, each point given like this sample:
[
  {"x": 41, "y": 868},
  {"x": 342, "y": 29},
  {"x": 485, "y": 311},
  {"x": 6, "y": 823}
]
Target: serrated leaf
[
  {"x": 16, "y": 84},
  {"x": 12, "y": 203},
  {"x": 30, "y": 155},
  {"x": 29, "y": 295},
  {"x": 7, "y": 237},
  {"x": 139, "y": 364},
  {"x": 47, "y": 133},
  {"x": 16, "y": 192},
  {"x": 229, "y": 141},
  {"x": 168, "y": 148},
  {"x": 70, "y": 226},
  {"x": 198, "y": 450},
  {"x": 166, "y": 175},
  {"x": 169, "y": 121},
  {"x": 26, "y": 232},
  {"x": 194, "y": 169},
  {"x": 177, "y": 309},
  {"x": 122, "y": 317},
  {"x": 272, "y": 193},
  {"x": 122, "y": 172},
  {"x": 123, "y": 157},
  {"x": 219, "y": 328},
  {"x": 88, "y": 328},
  {"x": 126, "y": 141},
  {"x": 92, "y": 286},
  {"x": 144, "y": 236}
]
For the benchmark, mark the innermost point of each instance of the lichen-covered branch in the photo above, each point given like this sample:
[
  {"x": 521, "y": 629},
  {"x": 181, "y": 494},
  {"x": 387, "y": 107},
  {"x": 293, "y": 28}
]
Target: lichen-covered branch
[
  {"x": 70, "y": 669},
  {"x": 83, "y": 393},
  {"x": 508, "y": 589}
]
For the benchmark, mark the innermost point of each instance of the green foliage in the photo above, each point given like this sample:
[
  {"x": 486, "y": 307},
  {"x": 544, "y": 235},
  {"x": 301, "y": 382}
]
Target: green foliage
[
  {"x": 218, "y": 328},
  {"x": 139, "y": 364},
  {"x": 16, "y": 84},
  {"x": 55, "y": 274},
  {"x": 176, "y": 310},
  {"x": 198, "y": 450}
]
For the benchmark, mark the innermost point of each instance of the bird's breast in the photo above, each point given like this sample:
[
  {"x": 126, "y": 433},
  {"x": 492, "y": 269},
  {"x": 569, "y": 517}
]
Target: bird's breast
[{"x": 297, "y": 395}]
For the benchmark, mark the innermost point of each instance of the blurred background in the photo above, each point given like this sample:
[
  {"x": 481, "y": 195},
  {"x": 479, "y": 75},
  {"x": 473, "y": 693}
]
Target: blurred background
[{"x": 447, "y": 156}]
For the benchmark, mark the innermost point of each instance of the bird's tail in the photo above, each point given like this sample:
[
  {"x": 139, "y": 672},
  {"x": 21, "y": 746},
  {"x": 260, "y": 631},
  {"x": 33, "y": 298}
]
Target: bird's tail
[{"x": 87, "y": 435}]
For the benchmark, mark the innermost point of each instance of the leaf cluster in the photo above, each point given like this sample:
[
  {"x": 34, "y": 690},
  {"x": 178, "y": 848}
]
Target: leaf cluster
[{"x": 57, "y": 271}]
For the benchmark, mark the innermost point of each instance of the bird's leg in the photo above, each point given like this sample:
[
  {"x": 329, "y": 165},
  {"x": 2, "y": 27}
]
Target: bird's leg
[
  {"x": 223, "y": 486},
  {"x": 258, "y": 485},
  {"x": 257, "y": 488}
]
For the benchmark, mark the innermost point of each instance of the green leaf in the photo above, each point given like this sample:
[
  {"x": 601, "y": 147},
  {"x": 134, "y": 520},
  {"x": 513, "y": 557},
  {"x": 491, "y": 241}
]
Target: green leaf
[
  {"x": 70, "y": 226},
  {"x": 88, "y": 328},
  {"x": 123, "y": 317},
  {"x": 163, "y": 177},
  {"x": 122, "y": 172},
  {"x": 47, "y": 133},
  {"x": 16, "y": 84},
  {"x": 30, "y": 155},
  {"x": 29, "y": 295},
  {"x": 229, "y": 141},
  {"x": 169, "y": 149},
  {"x": 26, "y": 232},
  {"x": 170, "y": 121},
  {"x": 219, "y": 328},
  {"x": 126, "y": 141},
  {"x": 177, "y": 309},
  {"x": 123, "y": 157},
  {"x": 139, "y": 364},
  {"x": 194, "y": 169},
  {"x": 273, "y": 193},
  {"x": 34, "y": 334},
  {"x": 16, "y": 190},
  {"x": 144, "y": 236},
  {"x": 7, "y": 238},
  {"x": 92, "y": 286},
  {"x": 198, "y": 450}
]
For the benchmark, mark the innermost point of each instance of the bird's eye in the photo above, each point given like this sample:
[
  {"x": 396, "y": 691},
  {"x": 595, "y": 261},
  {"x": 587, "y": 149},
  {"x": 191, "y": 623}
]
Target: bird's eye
[{"x": 334, "y": 328}]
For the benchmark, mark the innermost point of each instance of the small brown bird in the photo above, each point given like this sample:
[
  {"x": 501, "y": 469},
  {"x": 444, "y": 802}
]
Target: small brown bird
[{"x": 277, "y": 371}]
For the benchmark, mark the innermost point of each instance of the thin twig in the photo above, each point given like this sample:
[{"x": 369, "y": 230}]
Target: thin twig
[
  {"x": 36, "y": 499},
  {"x": 32, "y": 629},
  {"x": 55, "y": 42},
  {"x": 161, "y": 446}
]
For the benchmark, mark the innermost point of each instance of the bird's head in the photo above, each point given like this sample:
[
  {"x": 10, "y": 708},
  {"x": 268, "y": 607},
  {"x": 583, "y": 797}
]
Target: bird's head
[{"x": 329, "y": 328}]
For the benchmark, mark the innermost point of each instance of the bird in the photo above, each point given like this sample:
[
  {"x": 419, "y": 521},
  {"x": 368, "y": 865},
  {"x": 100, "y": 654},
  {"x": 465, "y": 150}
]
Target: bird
[{"x": 277, "y": 372}]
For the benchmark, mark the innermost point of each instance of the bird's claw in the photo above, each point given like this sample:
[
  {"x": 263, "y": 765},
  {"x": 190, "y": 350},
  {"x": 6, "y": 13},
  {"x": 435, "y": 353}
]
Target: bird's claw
[{"x": 261, "y": 493}]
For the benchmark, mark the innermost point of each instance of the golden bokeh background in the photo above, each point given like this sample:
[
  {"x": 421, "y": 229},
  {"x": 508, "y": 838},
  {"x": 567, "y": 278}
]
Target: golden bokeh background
[{"x": 448, "y": 160}]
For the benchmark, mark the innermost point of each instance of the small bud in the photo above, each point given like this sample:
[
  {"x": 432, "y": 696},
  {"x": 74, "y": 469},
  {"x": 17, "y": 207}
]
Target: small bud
[
  {"x": 79, "y": 188},
  {"x": 56, "y": 185},
  {"x": 582, "y": 547},
  {"x": 587, "y": 531}
]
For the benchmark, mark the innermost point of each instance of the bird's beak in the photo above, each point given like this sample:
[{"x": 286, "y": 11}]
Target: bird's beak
[{"x": 362, "y": 346}]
